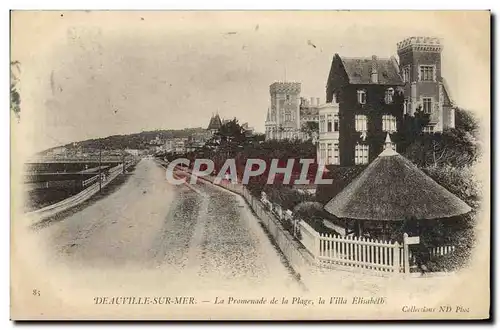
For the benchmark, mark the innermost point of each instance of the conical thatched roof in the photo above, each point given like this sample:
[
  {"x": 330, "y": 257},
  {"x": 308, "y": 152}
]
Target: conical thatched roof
[{"x": 392, "y": 188}]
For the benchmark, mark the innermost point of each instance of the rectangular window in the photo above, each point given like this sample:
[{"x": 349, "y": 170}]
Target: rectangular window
[
  {"x": 288, "y": 117},
  {"x": 329, "y": 151},
  {"x": 336, "y": 159},
  {"x": 361, "y": 123},
  {"x": 428, "y": 129},
  {"x": 427, "y": 105},
  {"x": 336, "y": 122},
  {"x": 361, "y": 97},
  {"x": 406, "y": 106},
  {"x": 406, "y": 74},
  {"x": 322, "y": 152},
  {"x": 361, "y": 154},
  {"x": 322, "y": 123},
  {"x": 329, "y": 122},
  {"x": 427, "y": 73},
  {"x": 389, "y": 123}
]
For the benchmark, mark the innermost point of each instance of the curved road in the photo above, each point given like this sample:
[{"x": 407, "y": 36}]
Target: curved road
[{"x": 196, "y": 231}]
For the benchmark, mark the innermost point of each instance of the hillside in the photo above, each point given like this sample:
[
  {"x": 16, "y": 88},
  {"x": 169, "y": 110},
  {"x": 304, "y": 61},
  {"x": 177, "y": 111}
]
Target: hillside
[{"x": 133, "y": 141}]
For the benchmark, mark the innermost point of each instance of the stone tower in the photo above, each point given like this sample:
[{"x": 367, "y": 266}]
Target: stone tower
[
  {"x": 283, "y": 120},
  {"x": 425, "y": 88}
]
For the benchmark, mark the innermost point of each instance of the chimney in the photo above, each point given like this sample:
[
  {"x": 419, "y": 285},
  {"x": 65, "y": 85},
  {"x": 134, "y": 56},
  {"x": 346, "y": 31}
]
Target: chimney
[
  {"x": 312, "y": 101},
  {"x": 374, "y": 73}
]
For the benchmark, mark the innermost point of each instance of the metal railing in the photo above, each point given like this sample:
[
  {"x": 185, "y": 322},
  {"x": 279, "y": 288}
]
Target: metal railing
[{"x": 74, "y": 200}]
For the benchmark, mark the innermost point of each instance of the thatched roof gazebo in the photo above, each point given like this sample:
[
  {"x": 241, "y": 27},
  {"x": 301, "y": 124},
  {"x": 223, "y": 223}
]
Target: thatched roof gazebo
[{"x": 393, "y": 189}]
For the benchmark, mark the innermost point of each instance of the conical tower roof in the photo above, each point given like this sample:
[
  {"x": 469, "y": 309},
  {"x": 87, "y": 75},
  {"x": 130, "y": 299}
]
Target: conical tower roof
[
  {"x": 215, "y": 123},
  {"x": 392, "y": 188}
]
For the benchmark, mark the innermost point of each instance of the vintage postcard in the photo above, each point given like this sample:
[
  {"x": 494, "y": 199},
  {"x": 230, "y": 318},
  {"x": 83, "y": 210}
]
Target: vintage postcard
[{"x": 250, "y": 165}]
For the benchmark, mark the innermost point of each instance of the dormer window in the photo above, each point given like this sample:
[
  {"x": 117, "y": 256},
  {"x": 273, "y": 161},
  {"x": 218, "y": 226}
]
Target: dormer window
[
  {"x": 361, "y": 96},
  {"x": 389, "y": 94}
]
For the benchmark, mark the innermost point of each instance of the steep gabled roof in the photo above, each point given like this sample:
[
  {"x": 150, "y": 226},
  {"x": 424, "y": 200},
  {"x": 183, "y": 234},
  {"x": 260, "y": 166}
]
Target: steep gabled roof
[
  {"x": 215, "y": 122},
  {"x": 392, "y": 188},
  {"x": 359, "y": 70}
]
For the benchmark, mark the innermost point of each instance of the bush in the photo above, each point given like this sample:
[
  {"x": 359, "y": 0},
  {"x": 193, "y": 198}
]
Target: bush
[
  {"x": 449, "y": 262},
  {"x": 460, "y": 181},
  {"x": 285, "y": 196},
  {"x": 318, "y": 225}
]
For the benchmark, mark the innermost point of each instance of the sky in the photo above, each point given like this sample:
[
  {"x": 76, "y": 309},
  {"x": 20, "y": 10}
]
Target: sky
[{"x": 94, "y": 74}]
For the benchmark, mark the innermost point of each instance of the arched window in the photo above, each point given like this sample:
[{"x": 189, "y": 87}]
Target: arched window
[
  {"x": 389, "y": 95},
  {"x": 361, "y": 96}
]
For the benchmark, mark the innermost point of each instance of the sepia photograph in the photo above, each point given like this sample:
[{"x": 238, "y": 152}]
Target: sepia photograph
[{"x": 250, "y": 165}]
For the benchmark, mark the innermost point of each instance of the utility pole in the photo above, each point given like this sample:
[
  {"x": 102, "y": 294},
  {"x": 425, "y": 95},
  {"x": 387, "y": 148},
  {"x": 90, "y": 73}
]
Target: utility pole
[
  {"x": 123, "y": 161},
  {"x": 100, "y": 161}
]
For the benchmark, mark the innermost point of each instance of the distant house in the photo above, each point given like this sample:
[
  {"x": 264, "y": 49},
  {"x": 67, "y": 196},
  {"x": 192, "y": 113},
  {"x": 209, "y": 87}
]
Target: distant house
[
  {"x": 214, "y": 124},
  {"x": 248, "y": 131},
  {"x": 180, "y": 145},
  {"x": 309, "y": 110},
  {"x": 170, "y": 145},
  {"x": 289, "y": 112}
]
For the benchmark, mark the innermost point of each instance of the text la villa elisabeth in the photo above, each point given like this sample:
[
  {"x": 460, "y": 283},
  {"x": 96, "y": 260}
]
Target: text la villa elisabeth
[{"x": 302, "y": 301}]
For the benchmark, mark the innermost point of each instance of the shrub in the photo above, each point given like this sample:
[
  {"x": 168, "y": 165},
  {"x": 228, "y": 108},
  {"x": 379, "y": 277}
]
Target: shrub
[
  {"x": 460, "y": 181},
  {"x": 449, "y": 262},
  {"x": 285, "y": 196}
]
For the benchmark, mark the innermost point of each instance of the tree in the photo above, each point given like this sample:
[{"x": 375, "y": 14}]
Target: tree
[
  {"x": 457, "y": 147},
  {"x": 466, "y": 121},
  {"x": 231, "y": 133},
  {"x": 310, "y": 128},
  {"x": 15, "y": 98},
  {"x": 412, "y": 127}
]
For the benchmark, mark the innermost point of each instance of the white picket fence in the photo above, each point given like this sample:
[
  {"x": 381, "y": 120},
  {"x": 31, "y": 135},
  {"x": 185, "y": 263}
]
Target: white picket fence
[
  {"x": 351, "y": 251},
  {"x": 359, "y": 252},
  {"x": 441, "y": 250}
]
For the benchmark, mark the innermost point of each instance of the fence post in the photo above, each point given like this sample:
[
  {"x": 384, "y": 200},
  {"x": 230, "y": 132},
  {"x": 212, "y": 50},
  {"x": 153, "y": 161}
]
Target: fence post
[
  {"x": 396, "y": 257},
  {"x": 316, "y": 246},
  {"x": 406, "y": 254}
]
